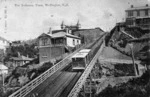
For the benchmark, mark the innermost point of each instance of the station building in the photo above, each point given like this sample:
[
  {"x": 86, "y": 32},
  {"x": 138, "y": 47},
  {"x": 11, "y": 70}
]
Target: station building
[{"x": 56, "y": 43}]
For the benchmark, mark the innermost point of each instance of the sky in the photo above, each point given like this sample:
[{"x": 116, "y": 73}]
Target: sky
[{"x": 26, "y": 19}]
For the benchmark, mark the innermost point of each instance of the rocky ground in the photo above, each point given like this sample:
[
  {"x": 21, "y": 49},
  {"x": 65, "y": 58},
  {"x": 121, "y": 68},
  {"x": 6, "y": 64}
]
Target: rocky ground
[{"x": 110, "y": 53}]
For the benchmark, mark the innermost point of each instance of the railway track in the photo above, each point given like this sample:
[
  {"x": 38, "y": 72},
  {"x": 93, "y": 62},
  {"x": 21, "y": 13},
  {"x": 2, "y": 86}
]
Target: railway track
[
  {"x": 54, "y": 86},
  {"x": 68, "y": 88}
]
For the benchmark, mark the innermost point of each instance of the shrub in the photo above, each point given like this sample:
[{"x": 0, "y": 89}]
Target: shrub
[
  {"x": 45, "y": 67},
  {"x": 136, "y": 87}
]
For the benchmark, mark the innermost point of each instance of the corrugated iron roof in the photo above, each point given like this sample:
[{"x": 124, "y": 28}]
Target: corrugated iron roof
[{"x": 60, "y": 34}]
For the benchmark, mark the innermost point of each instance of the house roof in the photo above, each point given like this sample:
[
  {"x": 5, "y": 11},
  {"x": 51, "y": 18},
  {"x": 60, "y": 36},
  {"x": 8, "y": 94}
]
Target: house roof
[
  {"x": 56, "y": 31},
  {"x": 63, "y": 34},
  {"x": 73, "y": 36},
  {"x": 3, "y": 67},
  {"x": 21, "y": 58},
  {"x": 138, "y": 8},
  {"x": 59, "y": 34}
]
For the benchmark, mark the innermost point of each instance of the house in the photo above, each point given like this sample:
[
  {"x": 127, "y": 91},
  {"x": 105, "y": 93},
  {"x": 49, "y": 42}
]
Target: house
[
  {"x": 56, "y": 44},
  {"x": 16, "y": 43},
  {"x": 20, "y": 61},
  {"x": 4, "y": 43},
  {"x": 138, "y": 17}
]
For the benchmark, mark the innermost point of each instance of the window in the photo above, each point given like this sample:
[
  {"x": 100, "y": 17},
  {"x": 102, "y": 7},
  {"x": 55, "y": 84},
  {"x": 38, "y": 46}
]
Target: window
[
  {"x": 130, "y": 13},
  {"x": 44, "y": 55},
  {"x": 61, "y": 41},
  {"x": 73, "y": 42},
  {"x": 77, "y": 41},
  {"x": 44, "y": 41},
  {"x": 146, "y": 12},
  {"x": 138, "y": 13},
  {"x": 129, "y": 22}
]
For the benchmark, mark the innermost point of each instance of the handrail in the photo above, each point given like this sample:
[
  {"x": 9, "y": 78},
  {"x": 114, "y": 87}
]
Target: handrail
[
  {"x": 127, "y": 34},
  {"x": 78, "y": 86},
  {"x": 41, "y": 78},
  {"x": 52, "y": 45}
]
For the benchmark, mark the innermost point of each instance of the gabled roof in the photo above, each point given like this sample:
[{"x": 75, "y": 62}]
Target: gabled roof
[{"x": 45, "y": 34}]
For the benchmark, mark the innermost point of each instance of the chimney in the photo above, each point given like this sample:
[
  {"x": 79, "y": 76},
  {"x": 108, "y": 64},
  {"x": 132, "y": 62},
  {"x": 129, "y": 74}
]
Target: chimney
[
  {"x": 70, "y": 31},
  {"x": 50, "y": 31},
  {"x": 131, "y": 6},
  {"x": 67, "y": 30}
]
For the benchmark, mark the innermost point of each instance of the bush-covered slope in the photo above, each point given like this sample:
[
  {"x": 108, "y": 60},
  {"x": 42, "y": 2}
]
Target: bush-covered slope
[{"x": 137, "y": 87}]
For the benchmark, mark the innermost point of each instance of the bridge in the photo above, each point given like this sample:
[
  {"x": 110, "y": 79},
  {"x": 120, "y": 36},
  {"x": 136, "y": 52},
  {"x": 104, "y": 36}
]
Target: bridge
[{"x": 60, "y": 80}]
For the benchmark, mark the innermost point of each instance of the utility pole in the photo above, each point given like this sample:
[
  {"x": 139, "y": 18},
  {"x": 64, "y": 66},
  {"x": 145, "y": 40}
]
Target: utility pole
[
  {"x": 133, "y": 60},
  {"x": 90, "y": 85},
  {"x": 84, "y": 89}
]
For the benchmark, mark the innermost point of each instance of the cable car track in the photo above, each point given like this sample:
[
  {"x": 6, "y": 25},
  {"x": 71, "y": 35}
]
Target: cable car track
[
  {"x": 53, "y": 87},
  {"x": 65, "y": 89}
]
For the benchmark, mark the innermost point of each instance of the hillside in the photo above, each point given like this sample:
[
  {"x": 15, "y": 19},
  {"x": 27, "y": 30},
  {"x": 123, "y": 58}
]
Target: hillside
[
  {"x": 136, "y": 87},
  {"x": 26, "y": 48},
  {"x": 139, "y": 38},
  {"x": 30, "y": 41}
]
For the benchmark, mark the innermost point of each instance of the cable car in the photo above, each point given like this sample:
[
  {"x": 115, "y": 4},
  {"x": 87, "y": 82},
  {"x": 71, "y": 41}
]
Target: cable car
[{"x": 80, "y": 60}]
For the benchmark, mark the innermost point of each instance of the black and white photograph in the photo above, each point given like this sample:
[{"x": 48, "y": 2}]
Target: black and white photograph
[{"x": 74, "y": 48}]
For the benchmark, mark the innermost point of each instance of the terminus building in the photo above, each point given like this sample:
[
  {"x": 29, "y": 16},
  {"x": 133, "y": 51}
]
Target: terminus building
[
  {"x": 57, "y": 42},
  {"x": 138, "y": 17}
]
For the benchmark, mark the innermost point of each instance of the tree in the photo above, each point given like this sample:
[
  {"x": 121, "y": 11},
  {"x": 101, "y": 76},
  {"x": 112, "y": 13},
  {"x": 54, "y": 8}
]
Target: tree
[{"x": 23, "y": 79}]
